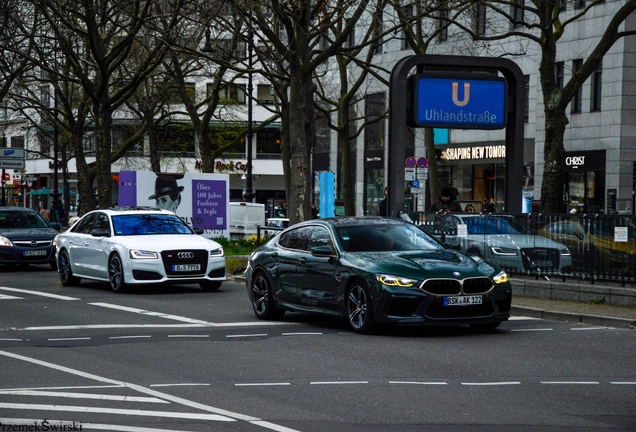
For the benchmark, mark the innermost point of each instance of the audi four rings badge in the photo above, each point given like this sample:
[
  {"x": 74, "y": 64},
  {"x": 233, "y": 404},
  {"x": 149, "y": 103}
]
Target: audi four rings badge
[{"x": 185, "y": 255}]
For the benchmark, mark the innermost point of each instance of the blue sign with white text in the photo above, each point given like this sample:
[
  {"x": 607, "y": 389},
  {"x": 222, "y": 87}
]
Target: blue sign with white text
[{"x": 461, "y": 103}]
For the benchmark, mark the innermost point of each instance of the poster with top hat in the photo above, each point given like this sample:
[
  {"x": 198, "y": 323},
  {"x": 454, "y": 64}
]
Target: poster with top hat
[{"x": 201, "y": 200}]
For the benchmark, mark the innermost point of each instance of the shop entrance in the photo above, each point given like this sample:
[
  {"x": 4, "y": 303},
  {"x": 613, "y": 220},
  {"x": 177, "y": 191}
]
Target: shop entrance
[{"x": 585, "y": 181}]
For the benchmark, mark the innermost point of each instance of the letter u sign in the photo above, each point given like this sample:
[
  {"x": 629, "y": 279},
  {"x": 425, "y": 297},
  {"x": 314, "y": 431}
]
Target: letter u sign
[{"x": 456, "y": 100}]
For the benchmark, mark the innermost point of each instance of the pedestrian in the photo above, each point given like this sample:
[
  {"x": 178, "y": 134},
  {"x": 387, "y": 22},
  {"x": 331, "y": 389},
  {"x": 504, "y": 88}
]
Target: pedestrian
[
  {"x": 446, "y": 203},
  {"x": 314, "y": 211},
  {"x": 384, "y": 204},
  {"x": 45, "y": 213},
  {"x": 489, "y": 205},
  {"x": 469, "y": 208}
]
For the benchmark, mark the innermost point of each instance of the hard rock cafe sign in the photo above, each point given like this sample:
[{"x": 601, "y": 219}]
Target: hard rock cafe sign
[{"x": 226, "y": 166}]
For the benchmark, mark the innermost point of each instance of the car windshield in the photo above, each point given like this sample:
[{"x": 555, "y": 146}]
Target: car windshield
[
  {"x": 385, "y": 237},
  {"x": 148, "y": 224},
  {"x": 21, "y": 219},
  {"x": 488, "y": 225}
]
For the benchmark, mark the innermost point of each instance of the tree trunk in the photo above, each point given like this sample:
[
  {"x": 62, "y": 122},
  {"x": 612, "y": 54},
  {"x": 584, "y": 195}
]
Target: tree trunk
[{"x": 552, "y": 187}]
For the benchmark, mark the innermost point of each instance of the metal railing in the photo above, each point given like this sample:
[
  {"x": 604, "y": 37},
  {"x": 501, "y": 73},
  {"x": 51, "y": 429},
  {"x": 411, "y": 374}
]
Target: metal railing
[{"x": 595, "y": 246}]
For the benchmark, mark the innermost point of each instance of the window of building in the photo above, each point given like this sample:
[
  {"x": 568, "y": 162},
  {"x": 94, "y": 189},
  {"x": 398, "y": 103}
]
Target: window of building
[
  {"x": 45, "y": 144},
  {"x": 375, "y": 109},
  {"x": 377, "y": 32},
  {"x": 577, "y": 100},
  {"x": 559, "y": 72},
  {"x": 265, "y": 94},
  {"x": 229, "y": 94},
  {"x": 268, "y": 143},
  {"x": 479, "y": 19},
  {"x": 442, "y": 21},
  {"x": 17, "y": 141},
  {"x": 579, "y": 4},
  {"x": 597, "y": 88},
  {"x": 518, "y": 13}
]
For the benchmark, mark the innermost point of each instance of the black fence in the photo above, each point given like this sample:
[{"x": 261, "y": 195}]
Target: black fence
[{"x": 596, "y": 247}]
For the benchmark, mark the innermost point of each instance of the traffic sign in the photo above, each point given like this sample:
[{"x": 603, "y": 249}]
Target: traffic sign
[
  {"x": 11, "y": 163},
  {"x": 415, "y": 184},
  {"x": 409, "y": 174},
  {"x": 11, "y": 153},
  {"x": 410, "y": 162},
  {"x": 422, "y": 162}
]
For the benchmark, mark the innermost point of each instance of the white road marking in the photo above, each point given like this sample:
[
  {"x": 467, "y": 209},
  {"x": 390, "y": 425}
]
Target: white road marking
[
  {"x": 23, "y": 421},
  {"x": 128, "y": 412},
  {"x": 623, "y": 382},
  {"x": 68, "y": 339},
  {"x": 531, "y": 330},
  {"x": 523, "y": 318},
  {"x": 179, "y": 384},
  {"x": 261, "y": 384},
  {"x": 592, "y": 328},
  {"x": 570, "y": 382},
  {"x": 338, "y": 382},
  {"x": 246, "y": 335},
  {"x": 133, "y": 326},
  {"x": 150, "y": 313},
  {"x": 8, "y": 297},
  {"x": 10, "y": 339},
  {"x": 130, "y": 337},
  {"x": 68, "y": 388},
  {"x": 491, "y": 383},
  {"x": 419, "y": 382},
  {"x": 83, "y": 396},
  {"x": 43, "y": 294},
  {"x": 189, "y": 336},
  {"x": 302, "y": 333},
  {"x": 150, "y": 392}
]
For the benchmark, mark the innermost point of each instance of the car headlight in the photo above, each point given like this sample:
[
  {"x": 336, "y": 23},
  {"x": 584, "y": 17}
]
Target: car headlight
[
  {"x": 5, "y": 241},
  {"x": 390, "y": 280},
  {"x": 140, "y": 254},
  {"x": 500, "y": 278},
  {"x": 216, "y": 252},
  {"x": 498, "y": 250},
  {"x": 565, "y": 251}
]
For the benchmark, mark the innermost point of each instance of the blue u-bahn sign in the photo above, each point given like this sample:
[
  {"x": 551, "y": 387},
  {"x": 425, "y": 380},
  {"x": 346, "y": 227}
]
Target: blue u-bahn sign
[{"x": 459, "y": 102}]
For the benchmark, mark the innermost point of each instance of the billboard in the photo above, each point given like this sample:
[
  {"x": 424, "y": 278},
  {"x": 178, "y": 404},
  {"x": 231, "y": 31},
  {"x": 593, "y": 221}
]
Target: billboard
[{"x": 201, "y": 200}]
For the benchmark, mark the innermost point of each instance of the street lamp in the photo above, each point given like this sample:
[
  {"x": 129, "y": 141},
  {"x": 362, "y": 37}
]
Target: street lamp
[
  {"x": 249, "y": 193},
  {"x": 4, "y": 144},
  {"x": 55, "y": 192}
]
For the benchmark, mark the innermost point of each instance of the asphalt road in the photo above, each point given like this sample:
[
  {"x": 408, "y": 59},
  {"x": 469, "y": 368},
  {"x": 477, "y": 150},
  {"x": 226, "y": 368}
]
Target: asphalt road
[{"x": 179, "y": 359}]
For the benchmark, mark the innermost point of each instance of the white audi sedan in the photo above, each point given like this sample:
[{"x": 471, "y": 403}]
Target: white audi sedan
[{"x": 138, "y": 245}]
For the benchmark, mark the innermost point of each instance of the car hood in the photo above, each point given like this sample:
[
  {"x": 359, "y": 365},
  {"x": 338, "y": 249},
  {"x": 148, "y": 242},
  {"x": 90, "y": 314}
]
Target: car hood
[
  {"x": 29, "y": 233},
  {"x": 517, "y": 240},
  {"x": 166, "y": 242},
  {"x": 422, "y": 264}
]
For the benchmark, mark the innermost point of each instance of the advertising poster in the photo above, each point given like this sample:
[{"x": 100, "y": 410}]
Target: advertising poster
[{"x": 201, "y": 200}]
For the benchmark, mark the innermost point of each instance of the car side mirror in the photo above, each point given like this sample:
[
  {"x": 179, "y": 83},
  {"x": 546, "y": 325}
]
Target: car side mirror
[
  {"x": 100, "y": 232},
  {"x": 322, "y": 251},
  {"x": 198, "y": 230}
]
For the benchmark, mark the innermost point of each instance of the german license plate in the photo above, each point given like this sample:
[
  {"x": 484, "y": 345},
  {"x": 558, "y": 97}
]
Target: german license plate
[
  {"x": 186, "y": 267},
  {"x": 543, "y": 263},
  {"x": 462, "y": 300},
  {"x": 34, "y": 253}
]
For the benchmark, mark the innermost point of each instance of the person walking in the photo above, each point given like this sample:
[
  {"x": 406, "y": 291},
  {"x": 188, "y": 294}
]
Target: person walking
[
  {"x": 384, "y": 204},
  {"x": 489, "y": 205},
  {"x": 45, "y": 213},
  {"x": 446, "y": 203}
]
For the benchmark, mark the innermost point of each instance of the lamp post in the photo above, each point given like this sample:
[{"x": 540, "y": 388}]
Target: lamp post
[
  {"x": 249, "y": 193},
  {"x": 55, "y": 192},
  {"x": 4, "y": 144}
]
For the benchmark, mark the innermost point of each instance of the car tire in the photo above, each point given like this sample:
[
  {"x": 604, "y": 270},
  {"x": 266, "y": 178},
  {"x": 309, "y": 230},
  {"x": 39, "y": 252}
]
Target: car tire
[
  {"x": 64, "y": 270},
  {"x": 210, "y": 286},
  {"x": 359, "y": 308},
  {"x": 116, "y": 274},
  {"x": 485, "y": 326},
  {"x": 263, "y": 299}
]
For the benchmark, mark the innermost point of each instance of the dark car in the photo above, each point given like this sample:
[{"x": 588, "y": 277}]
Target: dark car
[
  {"x": 25, "y": 237},
  {"x": 374, "y": 270}
]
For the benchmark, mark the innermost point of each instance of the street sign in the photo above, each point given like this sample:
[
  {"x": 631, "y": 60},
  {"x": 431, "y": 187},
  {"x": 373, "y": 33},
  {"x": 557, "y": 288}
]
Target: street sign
[
  {"x": 12, "y": 153},
  {"x": 421, "y": 173},
  {"x": 415, "y": 184},
  {"x": 409, "y": 174},
  {"x": 462, "y": 102},
  {"x": 410, "y": 162},
  {"x": 11, "y": 163}
]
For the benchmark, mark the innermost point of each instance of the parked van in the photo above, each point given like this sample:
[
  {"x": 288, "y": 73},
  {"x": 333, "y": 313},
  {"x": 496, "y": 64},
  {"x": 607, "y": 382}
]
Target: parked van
[{"x": 244, "y": 218}]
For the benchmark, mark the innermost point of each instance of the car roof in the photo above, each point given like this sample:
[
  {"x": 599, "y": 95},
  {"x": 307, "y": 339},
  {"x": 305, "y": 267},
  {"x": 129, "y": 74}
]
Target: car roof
[
  {"x": 343, "y": 221},
  {"x": 132, "y": 210},
  {"x": 17, "y": 209}
]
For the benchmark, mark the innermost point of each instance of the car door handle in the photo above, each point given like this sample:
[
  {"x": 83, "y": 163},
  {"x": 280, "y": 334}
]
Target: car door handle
[{"x": 302, "y": 260}]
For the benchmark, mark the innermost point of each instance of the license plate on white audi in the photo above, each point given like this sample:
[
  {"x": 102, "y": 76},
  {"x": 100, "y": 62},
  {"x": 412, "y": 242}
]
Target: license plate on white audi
[
  {"x": 186, "y": 267},
  {"x": 544, "y": 263},
  {"x": 462, "y": 300},
  {"x": 34, "y": 253}
]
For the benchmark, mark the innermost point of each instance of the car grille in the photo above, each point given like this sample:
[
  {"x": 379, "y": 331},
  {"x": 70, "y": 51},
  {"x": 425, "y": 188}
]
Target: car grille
[
  {"x": 456, "y": 287},
  {"x": 540, "y": 257},
  {"x": 184, "y": 256},
  {"x": 402, "y": 307},
  {"x": 33, "y": 243}
]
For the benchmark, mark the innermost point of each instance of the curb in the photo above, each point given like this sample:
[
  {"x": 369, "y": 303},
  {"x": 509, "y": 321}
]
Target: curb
[{"x": 573, "y": 317}]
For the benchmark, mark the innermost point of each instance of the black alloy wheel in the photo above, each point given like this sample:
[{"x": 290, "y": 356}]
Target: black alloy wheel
[
  {"x": 262, "y": 299},
  {"x": 360, "y": 308},
  {"x": 116, "y": 274},
  {"x": 64, "y": 270}
]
